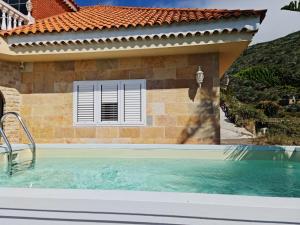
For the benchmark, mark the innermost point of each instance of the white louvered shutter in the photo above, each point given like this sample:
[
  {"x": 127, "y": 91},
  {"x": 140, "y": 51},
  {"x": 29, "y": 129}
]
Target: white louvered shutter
[
  {"x": 109, "y": 102},
  {"x": 84, "y": 103},
  {"x": 133, "y": 101}
]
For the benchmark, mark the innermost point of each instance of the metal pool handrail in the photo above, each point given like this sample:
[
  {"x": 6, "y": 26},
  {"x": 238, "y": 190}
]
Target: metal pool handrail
[{"x": 7, "y": 142}]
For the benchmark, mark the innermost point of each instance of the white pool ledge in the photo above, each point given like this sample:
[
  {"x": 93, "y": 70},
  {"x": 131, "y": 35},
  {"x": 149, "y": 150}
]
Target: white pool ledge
[{"x": 49, "y": 206}]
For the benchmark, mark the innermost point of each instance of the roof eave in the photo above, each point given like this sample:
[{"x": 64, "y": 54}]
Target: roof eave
[{"x": 110, "y": 35}]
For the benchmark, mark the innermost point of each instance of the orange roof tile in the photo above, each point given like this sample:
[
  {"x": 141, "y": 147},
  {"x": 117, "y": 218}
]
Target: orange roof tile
[
  {"x": 108, "y": 17},
  {"x": 46, "y": 8}
]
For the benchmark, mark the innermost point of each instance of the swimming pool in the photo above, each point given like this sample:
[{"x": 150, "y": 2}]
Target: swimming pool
[{"x": 269, "y": 173}]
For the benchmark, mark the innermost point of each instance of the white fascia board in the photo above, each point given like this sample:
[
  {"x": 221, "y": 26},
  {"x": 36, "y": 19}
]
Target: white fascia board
[
  {"x": 128, "y": 34},
  {"x": 113, "y": 47}
]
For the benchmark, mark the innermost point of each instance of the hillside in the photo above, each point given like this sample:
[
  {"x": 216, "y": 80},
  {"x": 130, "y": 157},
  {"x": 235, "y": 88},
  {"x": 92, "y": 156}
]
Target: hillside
[
  {"x": 283, "y": 53},
  {"x": 264, "y": 90}
]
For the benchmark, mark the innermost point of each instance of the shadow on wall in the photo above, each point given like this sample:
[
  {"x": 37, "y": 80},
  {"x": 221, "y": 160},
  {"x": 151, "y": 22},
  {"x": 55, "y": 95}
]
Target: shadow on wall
[
  {"x": 205, "y": 124},
  {"x": 252, "y": 152}
]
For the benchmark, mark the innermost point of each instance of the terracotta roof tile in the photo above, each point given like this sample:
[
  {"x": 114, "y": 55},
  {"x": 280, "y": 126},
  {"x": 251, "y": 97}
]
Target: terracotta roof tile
[
  {"x": 45, "y": 8},
  {"x": 107, "y": 17}
]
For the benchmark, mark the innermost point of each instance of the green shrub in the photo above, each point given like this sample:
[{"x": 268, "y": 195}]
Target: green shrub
[
  {"x": 241, "y": 113},
  {"x": 260, "y": 74},
  {"x": 289, "y": 127},
  {"x": 278, "y": 140},
  {"x": 293, "y": 6},
  {"x": 293, "y": 108},
  {"x": 271, "y": 109}
]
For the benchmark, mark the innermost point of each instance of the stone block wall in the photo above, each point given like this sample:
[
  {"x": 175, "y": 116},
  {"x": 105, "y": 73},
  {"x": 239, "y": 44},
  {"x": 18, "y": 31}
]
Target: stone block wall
[
  {"x": 177, "y": 112},
  {"x": 10, "y": 80}
]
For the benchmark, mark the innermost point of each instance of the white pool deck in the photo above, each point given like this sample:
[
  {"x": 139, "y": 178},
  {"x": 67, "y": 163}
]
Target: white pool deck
[
  {"x": 56, "y": 207},
  {"x": 78, "y": 207}
]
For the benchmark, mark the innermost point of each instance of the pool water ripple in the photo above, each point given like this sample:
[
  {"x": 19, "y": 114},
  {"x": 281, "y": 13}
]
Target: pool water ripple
[{"x": 260, "y": 178}]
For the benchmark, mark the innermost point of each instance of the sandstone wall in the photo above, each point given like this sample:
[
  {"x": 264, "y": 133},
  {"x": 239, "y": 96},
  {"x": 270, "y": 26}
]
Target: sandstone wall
[{"x": 176, "y": 111}]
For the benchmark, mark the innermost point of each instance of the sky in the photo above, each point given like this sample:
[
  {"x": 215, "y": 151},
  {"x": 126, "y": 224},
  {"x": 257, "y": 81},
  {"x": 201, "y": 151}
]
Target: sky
[{"x": 278, "y": 23}]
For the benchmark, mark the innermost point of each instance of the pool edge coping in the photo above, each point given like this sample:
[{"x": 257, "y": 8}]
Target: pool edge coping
[
  {"x": 167, "y": 147},
  {"x": 156, "y": 197}
]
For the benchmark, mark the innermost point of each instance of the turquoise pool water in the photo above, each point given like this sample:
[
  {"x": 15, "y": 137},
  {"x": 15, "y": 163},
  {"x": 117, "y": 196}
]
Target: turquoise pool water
[{"x": 260, "y": 178}]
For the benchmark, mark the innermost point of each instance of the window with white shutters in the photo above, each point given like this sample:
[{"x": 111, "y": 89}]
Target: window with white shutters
[
  {"x": 101, "y": 103},
  {"x": 85, "y": 103},
  {"x": 133, "y": 105},
  {"x": 109, "y": 102}
]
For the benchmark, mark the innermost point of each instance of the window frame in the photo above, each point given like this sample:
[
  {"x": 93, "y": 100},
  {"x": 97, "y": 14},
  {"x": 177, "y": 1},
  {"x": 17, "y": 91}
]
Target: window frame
[{"x": 97, "y": 104}]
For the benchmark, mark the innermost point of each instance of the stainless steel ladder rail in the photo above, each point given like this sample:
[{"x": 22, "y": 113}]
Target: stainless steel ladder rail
[
  {"x": 10, "y": 151},
  {"x": 7, "y": 142}
]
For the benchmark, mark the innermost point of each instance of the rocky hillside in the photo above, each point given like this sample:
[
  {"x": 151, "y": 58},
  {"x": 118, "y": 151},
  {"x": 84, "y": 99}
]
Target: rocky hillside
[{"x": 264, "y": 89}]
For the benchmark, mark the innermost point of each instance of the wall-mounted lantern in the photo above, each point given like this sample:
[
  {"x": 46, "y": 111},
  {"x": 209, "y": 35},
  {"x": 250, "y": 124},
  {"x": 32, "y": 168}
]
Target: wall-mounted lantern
[
  {"x": 200, "y": 76},
  {"x": 22, "y": 66}
]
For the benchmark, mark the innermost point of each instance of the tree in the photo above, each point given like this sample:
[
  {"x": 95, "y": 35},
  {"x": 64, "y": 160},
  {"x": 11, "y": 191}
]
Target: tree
[{"x": 293, "y": 6}]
